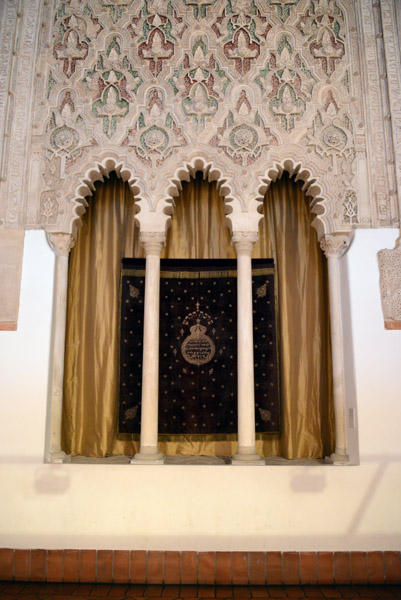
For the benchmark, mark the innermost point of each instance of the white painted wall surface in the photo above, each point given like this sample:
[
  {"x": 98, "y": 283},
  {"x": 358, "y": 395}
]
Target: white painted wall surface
[{"x": 203, "y": 507}]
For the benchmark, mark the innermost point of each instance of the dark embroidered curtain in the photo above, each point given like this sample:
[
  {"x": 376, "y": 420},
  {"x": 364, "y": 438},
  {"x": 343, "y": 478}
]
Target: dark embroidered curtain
[{"x": 198, "y": 348}]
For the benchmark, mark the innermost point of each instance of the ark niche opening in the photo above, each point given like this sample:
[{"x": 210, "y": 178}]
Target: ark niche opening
[{"x": 198, "y": 231}]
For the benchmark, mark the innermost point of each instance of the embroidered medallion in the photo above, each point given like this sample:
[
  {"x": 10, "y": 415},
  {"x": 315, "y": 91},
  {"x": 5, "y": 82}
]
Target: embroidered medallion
[{"x": 198, "y": 348}]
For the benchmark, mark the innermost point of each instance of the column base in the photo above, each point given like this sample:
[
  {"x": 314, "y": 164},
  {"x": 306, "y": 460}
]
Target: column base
[
  {"x": 59, "y": 457},
  {"x": 337, "y": 459},
  {"x": 144, "y": 458},
  {"x": 244, "y": 459}
]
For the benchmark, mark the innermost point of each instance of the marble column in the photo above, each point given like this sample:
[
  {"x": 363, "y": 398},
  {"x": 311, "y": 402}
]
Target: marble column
[
  {"x": 334, "y": 246},
  {"x": 243, "y": 243},
  {"x": 148, "y": 452},
  {"x": 61, "y": 244}
]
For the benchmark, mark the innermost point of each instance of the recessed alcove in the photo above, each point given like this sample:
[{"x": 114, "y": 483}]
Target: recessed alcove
[{"x": 198, "y": 230}]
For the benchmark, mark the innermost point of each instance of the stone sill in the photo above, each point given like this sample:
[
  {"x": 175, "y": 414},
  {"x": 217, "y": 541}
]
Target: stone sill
[{"x": 197, "y": 460}]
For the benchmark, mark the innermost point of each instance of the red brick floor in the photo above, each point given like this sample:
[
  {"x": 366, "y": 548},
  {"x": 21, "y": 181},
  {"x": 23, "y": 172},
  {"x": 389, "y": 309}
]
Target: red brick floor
[{"x": 89, "y": 591}]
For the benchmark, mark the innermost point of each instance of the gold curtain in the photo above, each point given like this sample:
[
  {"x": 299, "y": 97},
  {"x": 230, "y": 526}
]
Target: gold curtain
[
  {"x": 91, "y": 372},
  {"x": 198, "y": 227},
  {"x": 198, "y": 231},
  {"x": 305, "y": 359}
]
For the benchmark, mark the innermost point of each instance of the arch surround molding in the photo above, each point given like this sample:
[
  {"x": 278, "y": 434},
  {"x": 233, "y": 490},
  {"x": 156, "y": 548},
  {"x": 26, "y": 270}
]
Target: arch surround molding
[
  {"x": 242, "y": 189},
  {"x": 153, "y": 218}
]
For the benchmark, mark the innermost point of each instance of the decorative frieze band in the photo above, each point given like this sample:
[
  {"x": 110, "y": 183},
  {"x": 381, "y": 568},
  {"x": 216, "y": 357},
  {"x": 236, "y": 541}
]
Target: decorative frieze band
[
  {"x": 393, "y": 78},
  {"x": 376, "y": 112},
  {"x": 15, "y": 158}
]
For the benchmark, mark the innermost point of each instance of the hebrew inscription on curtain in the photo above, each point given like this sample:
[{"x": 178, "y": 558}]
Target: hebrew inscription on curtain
[{"x": 198, "y": 347}]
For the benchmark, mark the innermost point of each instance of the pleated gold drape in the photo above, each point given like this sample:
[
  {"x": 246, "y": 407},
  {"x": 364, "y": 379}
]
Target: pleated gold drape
[
  {"x": 91, "y": 372},
  {"x": 198, "y": 227},
  {"x": 198, "y": 231},
  {"x": 305, "y": 359}
]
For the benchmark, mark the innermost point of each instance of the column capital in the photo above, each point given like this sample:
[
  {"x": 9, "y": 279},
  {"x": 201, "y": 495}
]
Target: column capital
[
  {"x": 244, "y": 241},
  {"x": 334, "y": 245},
  {"x": 61, "y": 243},
  {"x": 152, "y": 241}
]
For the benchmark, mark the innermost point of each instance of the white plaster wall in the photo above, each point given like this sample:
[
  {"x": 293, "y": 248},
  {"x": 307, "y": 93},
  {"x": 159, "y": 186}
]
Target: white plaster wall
[{"x": 204, "y": 507}]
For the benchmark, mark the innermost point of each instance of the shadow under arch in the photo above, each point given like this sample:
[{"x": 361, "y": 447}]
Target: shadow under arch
[
  {"x": 101, "y": 168},
  {"x": 198, "y": 227},
  {"x": 211, "y": 173},
  {"x": 311, "y": 186}
]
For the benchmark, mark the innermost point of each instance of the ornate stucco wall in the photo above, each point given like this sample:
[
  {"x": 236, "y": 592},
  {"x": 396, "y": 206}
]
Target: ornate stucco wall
[
  {"x": 248, "y": 87},
  {"x": 241, "y": 89}
]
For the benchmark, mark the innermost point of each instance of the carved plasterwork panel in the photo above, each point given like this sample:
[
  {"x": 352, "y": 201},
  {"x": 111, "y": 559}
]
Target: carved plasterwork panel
[
  {"x": 284, "y": 8},
  {"x": 349, "y": 207},
  {"x": 241, "y": 28},
  {"x": 322, "y": 26},
  {"x": 200, "y": 83},
  {"x": 8, "y": 22},
  {"x": 244, "y": 135},
  {"x": 67, "y": 135},
  {"x": 156, "y": 32},
  {"x": 112, "y": 84},
  {"x": 200, "y": 7},
  {"x": 286, "y": 83},
  {"x": 244, "y": 88},
  {"x": 155, "y": 134},
  {"x": 115, "y": 9}
]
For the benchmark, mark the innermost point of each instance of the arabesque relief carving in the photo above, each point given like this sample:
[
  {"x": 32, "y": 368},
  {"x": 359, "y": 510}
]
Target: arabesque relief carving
[{"x": 243, "y": 86}]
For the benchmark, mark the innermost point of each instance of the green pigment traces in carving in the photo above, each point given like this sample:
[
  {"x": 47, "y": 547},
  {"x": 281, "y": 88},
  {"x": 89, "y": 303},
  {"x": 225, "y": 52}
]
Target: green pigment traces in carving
[
  {"x": 222, "y": 74},
  {"x": 110, "y": 108},
  {"x": 284, "y": 43},
  {"x": 114, "y": 45},
  {"x": 345, "y": 81},
  {"x": 199, "y": 43},
  {"x": 283, "y": 8},
  {"x": 287, "y": 105},
  {"x": 51, "y": 82}
]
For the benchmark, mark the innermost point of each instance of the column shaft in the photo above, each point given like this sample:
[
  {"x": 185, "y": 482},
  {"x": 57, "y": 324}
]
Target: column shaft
[
  {"x": 334, "y": 247},
  {"x": 150, "y": 364},
  {"x": 243, "y": 244},
  {"x": 337, "y": 355},
  {"x": 61, "y": 243}
]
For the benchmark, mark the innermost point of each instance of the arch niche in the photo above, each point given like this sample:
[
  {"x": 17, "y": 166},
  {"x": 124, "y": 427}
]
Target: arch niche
[{"x": 153, "y": 243}]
